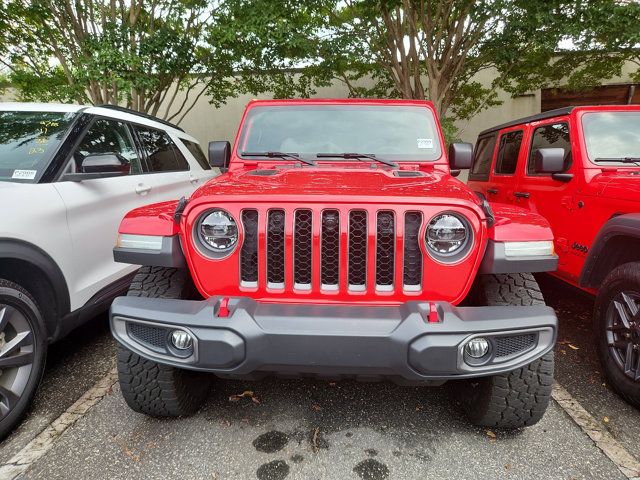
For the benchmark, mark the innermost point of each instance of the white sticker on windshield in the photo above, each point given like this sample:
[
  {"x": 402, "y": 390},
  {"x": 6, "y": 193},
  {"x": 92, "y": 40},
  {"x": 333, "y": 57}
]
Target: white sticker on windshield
[
  {"x": 24, "y": 174},
  {"x": 425, "y": 142}
]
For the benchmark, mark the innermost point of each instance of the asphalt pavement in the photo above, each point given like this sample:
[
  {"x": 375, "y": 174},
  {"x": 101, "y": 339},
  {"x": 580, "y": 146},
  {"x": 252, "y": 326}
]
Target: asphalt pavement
[{"x": 316, "y": 429}]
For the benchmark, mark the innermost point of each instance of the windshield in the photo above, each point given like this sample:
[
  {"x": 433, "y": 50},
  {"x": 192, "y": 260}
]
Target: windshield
[
  {"x": 389, "y": 132},
  {"x": 27, "y": 142},
  {"x": 612, "y": 135}
]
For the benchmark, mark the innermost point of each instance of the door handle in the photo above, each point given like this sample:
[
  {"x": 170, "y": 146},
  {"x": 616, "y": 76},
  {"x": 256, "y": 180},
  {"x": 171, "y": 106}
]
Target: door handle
[
  {"x": 521, "y": 194},
  {"x": 493, "y": 191},
  {"x": 193, "y": 180},
  {"x": 142, "y": 189}
]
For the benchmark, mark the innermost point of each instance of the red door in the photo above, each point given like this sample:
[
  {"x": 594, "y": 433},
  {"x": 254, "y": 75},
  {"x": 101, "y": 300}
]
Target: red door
[
  {"x": 541, "y": 193},
  {"x": 502, "y": 179}
]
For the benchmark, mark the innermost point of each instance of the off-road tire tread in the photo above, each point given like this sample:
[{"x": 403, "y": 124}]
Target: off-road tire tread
[
  {"x": 149, "y": 387},
  {"x": 518, "y": 398},
  {"x": 621, "y": 384}
]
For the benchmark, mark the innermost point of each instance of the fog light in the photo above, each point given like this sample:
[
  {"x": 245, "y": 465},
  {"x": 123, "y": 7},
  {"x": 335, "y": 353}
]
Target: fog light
[
  {"x": 477, "y": 347},
  {"x": 181, "y": 339}
]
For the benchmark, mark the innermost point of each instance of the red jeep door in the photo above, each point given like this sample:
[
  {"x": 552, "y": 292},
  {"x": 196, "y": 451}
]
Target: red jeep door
[
  {"x": 540, "y": 193},
  {"x": 502, "y": 180}
]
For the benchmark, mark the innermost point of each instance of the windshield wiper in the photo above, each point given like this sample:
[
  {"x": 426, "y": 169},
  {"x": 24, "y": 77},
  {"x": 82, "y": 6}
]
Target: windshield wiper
[
  {"x": 282, "y": 155},
  {"x": 635, "y": 160},
  {"x": 357, "y": 156}
]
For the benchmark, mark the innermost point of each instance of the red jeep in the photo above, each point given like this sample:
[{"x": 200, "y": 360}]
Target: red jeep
[
  {"x": 579, "y": 167},
  {"x": 337, "y": 243}
]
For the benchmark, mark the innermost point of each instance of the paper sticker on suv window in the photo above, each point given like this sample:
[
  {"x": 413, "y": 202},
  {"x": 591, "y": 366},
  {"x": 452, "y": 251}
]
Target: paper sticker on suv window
[
  {"x": 425, "y": 142},
  {"x": 24, "y": 174}
]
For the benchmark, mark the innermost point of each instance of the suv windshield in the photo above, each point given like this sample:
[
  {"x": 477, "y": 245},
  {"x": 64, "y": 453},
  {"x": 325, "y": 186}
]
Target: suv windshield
[
  {"x": 612, "y": 135},
  {"x": 389, "y": 132},
  {"x": 27, "y": 142}
]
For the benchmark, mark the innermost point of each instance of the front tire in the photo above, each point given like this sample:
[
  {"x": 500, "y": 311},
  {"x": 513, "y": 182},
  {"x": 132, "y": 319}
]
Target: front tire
[
  {"x": 23, "y": 351},
  {"x": 617, "y": 327},
  {"x": 518, "y": 398},
  {"x": 149, "y": 387}
]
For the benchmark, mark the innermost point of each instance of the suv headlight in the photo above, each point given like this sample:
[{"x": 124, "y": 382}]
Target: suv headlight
[
  {"x": 447, "y": 237},
  {"x": 218, "y": 231}
]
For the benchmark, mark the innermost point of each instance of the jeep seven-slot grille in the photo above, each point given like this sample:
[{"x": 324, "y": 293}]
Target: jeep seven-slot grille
[{"x": 361, "y": 264}]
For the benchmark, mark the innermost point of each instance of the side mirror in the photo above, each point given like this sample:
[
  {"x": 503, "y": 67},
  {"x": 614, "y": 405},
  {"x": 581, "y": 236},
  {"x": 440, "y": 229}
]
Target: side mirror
[
  {"x": 460, "y": 156},
  {"x": 105, "y": 163},
  {"x": 219, "y": 154},
  {"x": 549, "y": 160}
]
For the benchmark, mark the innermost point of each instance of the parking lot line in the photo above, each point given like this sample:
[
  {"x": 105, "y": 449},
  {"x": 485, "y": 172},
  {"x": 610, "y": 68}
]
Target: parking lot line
[
  {"x": 43, "y": 442},
  {"x": 626, "y": 463}
]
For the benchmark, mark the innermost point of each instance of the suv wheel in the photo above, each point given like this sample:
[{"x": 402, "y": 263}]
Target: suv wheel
[
  {"x": 23, "y": 350},
  {"x": 149, "y": 387},
  {"x": 518, "y": 398},
  {"x": 617, "y": 322}
]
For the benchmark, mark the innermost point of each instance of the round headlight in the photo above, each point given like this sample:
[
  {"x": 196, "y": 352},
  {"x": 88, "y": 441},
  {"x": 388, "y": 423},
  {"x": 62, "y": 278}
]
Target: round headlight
[
  {"x": 447, "y": 234},
  {"x": 218, "y": 231}
]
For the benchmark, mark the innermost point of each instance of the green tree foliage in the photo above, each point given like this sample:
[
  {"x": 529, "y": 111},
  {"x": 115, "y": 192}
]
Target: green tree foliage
[{"x": 149, "y": 55}]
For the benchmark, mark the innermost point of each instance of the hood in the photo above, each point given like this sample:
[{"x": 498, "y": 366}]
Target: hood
[
  {"x": 621, "y": 185},
  {"x": 326, "y": 183}
]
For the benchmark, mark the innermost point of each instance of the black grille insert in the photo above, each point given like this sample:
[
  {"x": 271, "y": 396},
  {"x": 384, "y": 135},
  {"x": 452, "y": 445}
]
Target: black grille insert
[
  {"x": 412, "y": 267},
  {"x": 510, "y": 345},
  {"x": 249, "y": 251},
  {"x": 358, "y": 238},
  {"x": 385, "y": 250},
  {"x": 153, "y": 337},
  {"x": 302, "y": 245},
  {"x": 330, "y": 249},
  {"x": 275, "y": 249}
]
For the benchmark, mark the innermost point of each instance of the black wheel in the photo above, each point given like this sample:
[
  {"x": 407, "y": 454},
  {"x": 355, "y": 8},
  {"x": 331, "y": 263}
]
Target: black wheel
[
  {"x": 617, "y": 322},
  {"x": 150, "y": 387},
  {"x": 518, "y": 398},
  {"x": 23, "y": 350}
]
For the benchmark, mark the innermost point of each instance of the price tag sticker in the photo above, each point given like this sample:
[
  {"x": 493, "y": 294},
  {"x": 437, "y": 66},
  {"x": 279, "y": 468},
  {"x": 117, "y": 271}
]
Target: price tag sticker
[
  {"x": 24, "y": 174},
  {"x": 425, "y": 142}
]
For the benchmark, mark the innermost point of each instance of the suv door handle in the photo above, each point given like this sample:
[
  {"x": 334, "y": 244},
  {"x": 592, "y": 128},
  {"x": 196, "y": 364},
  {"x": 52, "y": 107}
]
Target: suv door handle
[
  {"x": 521, "y": 194},
  {"x": 193, "y": 179},
  {"x": 493, "y": 191},
  {"x": 142, "y": 189}
]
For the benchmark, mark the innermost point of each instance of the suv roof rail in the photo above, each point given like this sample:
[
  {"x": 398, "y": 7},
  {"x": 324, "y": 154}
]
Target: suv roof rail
[
  {"x": 532, "y": 118},
  {"x": 140, "y": 114}
]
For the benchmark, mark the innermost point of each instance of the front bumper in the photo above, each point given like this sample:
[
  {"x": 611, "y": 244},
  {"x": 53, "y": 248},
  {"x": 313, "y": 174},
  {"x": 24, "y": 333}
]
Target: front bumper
[{"x": 334, "y": 340}]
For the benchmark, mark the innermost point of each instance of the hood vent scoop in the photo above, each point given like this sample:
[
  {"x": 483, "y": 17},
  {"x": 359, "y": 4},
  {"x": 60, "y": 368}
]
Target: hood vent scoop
[
  {"x": 407, "y": 173},
  {"x": 262, "y": 173}
]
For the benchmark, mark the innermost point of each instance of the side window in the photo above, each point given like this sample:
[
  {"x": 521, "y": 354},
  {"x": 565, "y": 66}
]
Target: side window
[
  {"x": 508, "y": 151},
  {"x": 197, "y": 153},
  {"x": 550, "y": 136},
  {"x": 161, "y": 151},
  {"x": 482, "y": 158},
  {"x": 108, "y": 136}
]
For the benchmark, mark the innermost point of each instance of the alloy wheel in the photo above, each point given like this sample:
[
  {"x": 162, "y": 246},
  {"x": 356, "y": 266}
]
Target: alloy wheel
[
  {"x": 623, "y": 332},
  {"x": 16, "y": 357}
]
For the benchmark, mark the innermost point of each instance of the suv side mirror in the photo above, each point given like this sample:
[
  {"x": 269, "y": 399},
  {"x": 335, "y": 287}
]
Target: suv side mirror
[
  {"x": 105, "y": 163},
  {"x": 219, "y": 154},
  {"x": 549, "y": 160},
  {"x": 460, "y": 156},
  {"x": 100, "y": 165}
]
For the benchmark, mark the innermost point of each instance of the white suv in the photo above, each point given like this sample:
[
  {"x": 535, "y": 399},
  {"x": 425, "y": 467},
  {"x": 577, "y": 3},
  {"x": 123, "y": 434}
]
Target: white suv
[{"x": 68, "y": 174}]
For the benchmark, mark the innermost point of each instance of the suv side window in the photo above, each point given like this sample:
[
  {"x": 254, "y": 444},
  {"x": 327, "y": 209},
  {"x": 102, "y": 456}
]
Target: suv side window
[
  {"x": 482, "y": 158},
  {"x": 162, "y": 153},
  {"x": 108, "y": 136},
  {"x": 550, "y": 136},
  {"x": 197, "y": 153},
  {"x": 508, "y": 152}
]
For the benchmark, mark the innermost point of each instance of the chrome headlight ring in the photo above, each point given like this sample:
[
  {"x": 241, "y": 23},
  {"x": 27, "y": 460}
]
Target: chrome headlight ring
[
  {"x": 217, "y": 233},
  {"x": 448, "y": 237}
]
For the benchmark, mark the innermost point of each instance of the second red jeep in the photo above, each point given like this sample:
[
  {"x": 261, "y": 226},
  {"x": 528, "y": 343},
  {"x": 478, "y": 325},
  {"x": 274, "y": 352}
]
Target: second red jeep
[
  {"x": 579, "y": 167},
  {"x": 337, "y": 242}
]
